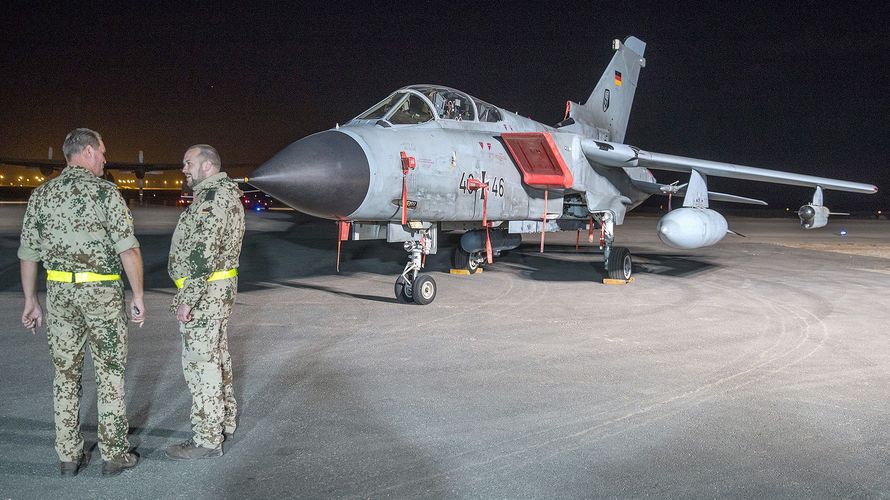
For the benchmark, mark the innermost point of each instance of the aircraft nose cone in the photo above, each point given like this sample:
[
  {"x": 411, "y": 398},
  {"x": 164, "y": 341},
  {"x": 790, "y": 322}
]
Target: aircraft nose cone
[{"x": 326, "y": 175}]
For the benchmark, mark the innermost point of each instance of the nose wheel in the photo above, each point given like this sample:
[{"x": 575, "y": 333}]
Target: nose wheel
[{"x": 411, "y": 286}]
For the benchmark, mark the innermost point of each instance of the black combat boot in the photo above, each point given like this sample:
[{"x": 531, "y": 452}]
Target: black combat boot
[{"x": 190, "y": 450}]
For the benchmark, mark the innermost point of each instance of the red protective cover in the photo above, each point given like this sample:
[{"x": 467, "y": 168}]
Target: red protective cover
[{"x": 537, "y": 156}]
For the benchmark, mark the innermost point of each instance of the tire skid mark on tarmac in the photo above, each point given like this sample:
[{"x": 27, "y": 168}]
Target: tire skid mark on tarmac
[
  {"x": 719, "y": 382},
  {"x": 680, "y": 402},
  {"x": 794, "y": 343}
]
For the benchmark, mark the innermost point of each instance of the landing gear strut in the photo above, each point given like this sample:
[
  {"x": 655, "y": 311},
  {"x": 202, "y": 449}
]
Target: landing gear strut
[
  {"x": 619, "y": 265},
  {"x": 411, "y": 286}
]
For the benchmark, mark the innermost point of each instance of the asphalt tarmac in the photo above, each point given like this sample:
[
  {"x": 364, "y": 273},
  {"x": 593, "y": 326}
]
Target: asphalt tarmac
[{"x": 749, "y": 369}]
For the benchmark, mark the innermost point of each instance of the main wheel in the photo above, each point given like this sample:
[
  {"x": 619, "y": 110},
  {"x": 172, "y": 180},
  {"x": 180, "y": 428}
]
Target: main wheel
[
  {"x": 619, "y": 266},
  {"x": 402, "y": 290},
  {"x": 424, "y": 289},
  {"x": 460, "y": 259}
]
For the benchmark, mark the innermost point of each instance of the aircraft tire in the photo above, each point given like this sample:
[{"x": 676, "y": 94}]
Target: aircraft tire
[
  {"x": 424, "y": 289},
  {"x": 460, "y": 259},
  {"x": 402, "y": 291},
  {"x": 620, "y": 265}
]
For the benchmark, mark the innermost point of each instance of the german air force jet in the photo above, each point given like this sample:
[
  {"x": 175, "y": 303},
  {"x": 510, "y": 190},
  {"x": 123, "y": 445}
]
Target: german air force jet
[{"x": 429, "y": 159}]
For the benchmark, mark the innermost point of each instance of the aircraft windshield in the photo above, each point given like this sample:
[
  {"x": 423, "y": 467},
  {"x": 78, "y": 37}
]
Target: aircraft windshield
[
  {"x": 382, "y": 108},
  {"x": 411, "y": 110},
  {"x": 401, "y": 108}
]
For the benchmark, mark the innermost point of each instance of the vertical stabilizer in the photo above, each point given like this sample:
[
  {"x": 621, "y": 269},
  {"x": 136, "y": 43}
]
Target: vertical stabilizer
[{"x": 605, "y": 114}]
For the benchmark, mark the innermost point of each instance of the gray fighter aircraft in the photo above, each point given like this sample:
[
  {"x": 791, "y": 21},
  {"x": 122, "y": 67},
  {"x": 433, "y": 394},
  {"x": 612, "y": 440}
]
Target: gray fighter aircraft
[{"x": 429, "y": 159}]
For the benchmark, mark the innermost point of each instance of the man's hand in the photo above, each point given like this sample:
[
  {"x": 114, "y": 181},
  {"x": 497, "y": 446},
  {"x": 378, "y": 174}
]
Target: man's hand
[
  {"x": 184, "y": 313},
  {"x": 137, "y": 311},
  {"x": 32, "y": 316}
]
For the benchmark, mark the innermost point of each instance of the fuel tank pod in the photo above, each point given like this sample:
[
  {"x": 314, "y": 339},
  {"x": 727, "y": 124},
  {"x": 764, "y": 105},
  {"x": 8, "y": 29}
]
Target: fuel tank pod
[{"x": 689, "y": 228}]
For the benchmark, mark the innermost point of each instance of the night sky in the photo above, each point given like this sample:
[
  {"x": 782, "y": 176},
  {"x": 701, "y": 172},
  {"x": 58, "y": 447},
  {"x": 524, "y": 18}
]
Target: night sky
[{"x": 801, "y": 87}]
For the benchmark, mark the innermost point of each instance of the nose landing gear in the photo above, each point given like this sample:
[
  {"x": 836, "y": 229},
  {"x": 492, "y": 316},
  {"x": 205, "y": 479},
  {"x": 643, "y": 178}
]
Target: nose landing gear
[{"x": 411, "y": 286}]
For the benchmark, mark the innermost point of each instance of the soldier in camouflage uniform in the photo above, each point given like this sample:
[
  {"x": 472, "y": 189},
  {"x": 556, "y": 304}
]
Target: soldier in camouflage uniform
[
  {"x": 204, "y": 266},
  {"x": 80, "y": 227}
]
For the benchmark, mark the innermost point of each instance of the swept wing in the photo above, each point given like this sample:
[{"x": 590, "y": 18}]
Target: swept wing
[{"x": 622, "y": 155}]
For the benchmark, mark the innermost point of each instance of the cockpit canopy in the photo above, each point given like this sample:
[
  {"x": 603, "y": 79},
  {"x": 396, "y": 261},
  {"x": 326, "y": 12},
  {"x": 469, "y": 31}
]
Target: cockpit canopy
[{"x": 422, "y": 103}]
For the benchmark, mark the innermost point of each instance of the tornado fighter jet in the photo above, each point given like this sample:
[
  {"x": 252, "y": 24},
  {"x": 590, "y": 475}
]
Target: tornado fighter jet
[{"x": 429, "y": 159}]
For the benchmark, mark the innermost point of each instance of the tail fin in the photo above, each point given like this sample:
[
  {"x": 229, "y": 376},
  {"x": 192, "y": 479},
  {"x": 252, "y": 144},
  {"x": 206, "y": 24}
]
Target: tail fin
[{"x": 605, "y": 114}]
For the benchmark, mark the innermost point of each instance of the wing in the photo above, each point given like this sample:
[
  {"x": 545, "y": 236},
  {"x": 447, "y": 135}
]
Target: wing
[
  {"x": 621, "y": 155},
  {"x": 113, "y": 165},
  {"x": 142, "y": 167},
  {"x": 55, "y": 164}
]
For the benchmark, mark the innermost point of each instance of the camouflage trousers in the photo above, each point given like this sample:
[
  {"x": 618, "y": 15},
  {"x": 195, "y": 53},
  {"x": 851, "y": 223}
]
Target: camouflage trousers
[
  {"x": 207, "y": 367},
  {"x": 78, "y": 313}
]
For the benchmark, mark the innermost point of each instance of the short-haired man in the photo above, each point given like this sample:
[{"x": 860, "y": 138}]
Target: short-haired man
[
  {"x": 80, "y": 227},
  {"x": 203, "y": 264}
]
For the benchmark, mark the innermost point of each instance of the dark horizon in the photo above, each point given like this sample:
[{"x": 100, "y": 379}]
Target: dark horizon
[{"x": 795, "y": 88}]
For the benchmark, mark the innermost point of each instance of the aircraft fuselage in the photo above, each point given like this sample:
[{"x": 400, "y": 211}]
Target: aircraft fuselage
[{"x": 354, "y": 172}]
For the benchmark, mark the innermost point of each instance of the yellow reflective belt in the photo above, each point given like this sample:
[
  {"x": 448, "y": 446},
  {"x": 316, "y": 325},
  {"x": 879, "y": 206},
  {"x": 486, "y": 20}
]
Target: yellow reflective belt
[
  {"x": 67, "y": 277},
  {"x": 218, "y": 275}
]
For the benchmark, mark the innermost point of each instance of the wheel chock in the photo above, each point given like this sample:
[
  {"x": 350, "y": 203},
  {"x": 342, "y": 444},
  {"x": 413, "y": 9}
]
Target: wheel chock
[
  {"x": 464, "y": 272},
  {"x": 610, "y": 281}
]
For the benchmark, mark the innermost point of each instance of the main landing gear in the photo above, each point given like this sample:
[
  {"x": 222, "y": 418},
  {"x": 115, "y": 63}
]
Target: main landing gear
[
  {"x": 411, "y": 286},
  {"x": 467, "y": 261},
  {"x": 619, "y": 265}
]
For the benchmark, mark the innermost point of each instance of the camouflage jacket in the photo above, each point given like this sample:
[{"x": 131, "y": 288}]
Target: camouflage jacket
[
  {"x": 77, "y": 222},
  {"x": 208, "y": 239}
]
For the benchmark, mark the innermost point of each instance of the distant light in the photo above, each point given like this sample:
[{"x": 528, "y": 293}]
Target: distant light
[
  {"x": 843, "y": 232},
  {"x": 259, "y": 209}
]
